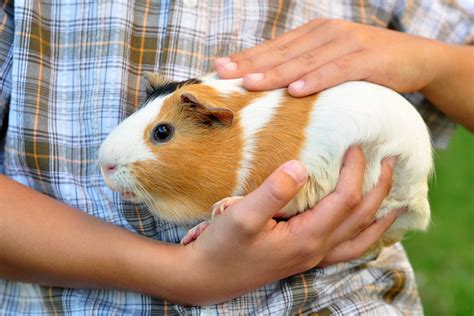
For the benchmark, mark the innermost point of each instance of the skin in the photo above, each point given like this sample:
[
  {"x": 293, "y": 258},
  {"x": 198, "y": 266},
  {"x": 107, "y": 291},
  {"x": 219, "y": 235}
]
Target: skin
[
  {"x": 57, "y": 245},
  {"x": 339, "y": 228},
  {"x": 323, "y": 53},
  {"x": 47, "y": 242}
]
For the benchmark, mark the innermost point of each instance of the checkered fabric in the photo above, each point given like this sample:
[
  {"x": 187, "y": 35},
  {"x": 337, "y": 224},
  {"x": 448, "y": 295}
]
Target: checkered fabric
[{"x": 71, "y": 70}]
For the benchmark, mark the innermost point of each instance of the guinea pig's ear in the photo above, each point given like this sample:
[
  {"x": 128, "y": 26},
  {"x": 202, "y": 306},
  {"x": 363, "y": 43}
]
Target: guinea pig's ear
[
  {"x": 153, "y": 81},
  {"x": 207, "y": 115}
]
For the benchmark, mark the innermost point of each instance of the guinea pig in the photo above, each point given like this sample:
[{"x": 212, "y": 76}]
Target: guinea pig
[{"x": 198, "y": 141}]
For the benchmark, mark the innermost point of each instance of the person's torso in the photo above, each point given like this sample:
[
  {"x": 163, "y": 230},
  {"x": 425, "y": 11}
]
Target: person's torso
[{"x": 77, "y": 72}]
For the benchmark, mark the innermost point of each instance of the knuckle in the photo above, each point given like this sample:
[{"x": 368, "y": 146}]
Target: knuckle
[
  {"x": 247, "y": 64},
  {"x": 307, "y": 59},
  {"x": 281, "y": 51},
  {"x": 355, "y": 38},
  {"x": 338, "y": 24},
  {"x": 244, "y": 55},
  {"x": 270, "y": 44},
  {"x": 239, "y": 56},
  {"x": 274, "y": 73},
  {"x": 239, "y": 223},
  {"x": 236, "y": 56},
  {"x": 343, "y": 64},
  {"x": 353, "y": 199},
  {"x": 276, "y": 194}
]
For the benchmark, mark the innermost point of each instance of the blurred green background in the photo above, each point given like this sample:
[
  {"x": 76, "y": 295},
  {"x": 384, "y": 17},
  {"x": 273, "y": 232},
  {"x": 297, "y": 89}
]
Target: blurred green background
[{"x": 443, "y": 257}]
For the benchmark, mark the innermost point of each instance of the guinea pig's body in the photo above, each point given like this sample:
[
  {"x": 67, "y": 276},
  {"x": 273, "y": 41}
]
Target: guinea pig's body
[{"x": 226, "y": 140}]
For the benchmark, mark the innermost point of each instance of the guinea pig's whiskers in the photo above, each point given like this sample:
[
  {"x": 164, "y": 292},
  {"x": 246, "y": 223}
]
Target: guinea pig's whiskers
[{"x": 143, "y": 194}]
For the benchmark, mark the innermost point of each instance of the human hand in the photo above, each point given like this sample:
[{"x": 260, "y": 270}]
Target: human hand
[
  {"x": 245, "y": 241},
  {"x": 323, "y": 53}
]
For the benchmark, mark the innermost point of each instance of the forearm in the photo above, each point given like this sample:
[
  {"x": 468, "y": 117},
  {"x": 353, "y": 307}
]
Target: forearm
[
  {"x": 44, "y": 241},
  {"x": 452, "y": 87}
]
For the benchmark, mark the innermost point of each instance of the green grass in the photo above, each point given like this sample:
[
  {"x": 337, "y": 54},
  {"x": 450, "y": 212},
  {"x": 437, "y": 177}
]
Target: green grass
[{"x": 443, "y": 257}]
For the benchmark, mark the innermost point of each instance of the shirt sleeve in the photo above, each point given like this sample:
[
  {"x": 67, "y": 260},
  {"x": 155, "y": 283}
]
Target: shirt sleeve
[
  {"x": 6, "y": 56},
  {"x": 447, "y": 21},
  {"x": 442, "y": 20}
]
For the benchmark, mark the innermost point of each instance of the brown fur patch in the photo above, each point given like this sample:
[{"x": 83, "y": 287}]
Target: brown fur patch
[
  {"x": 282, "y": 139},
  {"x": 198, "y": 166}
]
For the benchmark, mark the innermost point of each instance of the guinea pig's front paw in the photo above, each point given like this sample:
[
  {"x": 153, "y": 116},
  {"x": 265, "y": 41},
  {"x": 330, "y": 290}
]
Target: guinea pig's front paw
[
  {"x": 217, "y": 209},
  {"x": 224, "y": 204},
  {"x": 194, "y": 232}
]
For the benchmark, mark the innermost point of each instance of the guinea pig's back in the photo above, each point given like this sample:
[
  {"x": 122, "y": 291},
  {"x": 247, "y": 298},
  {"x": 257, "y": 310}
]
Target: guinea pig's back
[{"x": 384, "y": 124}]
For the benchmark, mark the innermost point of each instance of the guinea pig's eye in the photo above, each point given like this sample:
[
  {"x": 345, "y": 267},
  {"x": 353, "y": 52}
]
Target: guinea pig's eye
[{"x": 162, "y": 133}]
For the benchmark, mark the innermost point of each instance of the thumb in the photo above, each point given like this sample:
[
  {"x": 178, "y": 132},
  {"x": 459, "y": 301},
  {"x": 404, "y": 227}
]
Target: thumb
[{"x": 255, "y": 209}]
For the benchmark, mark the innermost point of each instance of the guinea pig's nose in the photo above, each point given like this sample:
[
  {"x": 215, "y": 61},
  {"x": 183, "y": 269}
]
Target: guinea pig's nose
[{"x": 110, "y": 168}]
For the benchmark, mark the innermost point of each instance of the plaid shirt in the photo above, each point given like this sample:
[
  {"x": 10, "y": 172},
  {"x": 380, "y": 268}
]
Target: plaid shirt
[{"x": 72, "y": 70}]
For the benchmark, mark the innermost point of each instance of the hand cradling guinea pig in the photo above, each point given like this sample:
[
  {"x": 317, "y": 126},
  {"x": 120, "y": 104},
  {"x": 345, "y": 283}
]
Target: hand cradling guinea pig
[{"x": 199, "y": 141}]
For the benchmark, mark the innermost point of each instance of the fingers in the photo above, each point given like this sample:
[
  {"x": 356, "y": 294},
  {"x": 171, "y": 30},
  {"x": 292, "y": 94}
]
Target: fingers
[
  {"x": 364, "y": 213},
  {"x": 316, "y": 56},
  {"x": 244, "y": 62},
  {"x": 295, "y": 68},
  {"x": 354, "y": 248},
  {"x": 343, "y": 220},
  {"x": 346, "y": 68},
  {"x": 335, "y": 207},
  {"x": 282, "y": 39},
  {"x": 299, "y": 49},
  {"x": 252, "y": 212}
]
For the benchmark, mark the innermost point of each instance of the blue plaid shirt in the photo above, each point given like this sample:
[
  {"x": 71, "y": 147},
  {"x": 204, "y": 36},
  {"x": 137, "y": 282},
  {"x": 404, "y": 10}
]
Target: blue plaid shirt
[{"x": 72, "y": 70}]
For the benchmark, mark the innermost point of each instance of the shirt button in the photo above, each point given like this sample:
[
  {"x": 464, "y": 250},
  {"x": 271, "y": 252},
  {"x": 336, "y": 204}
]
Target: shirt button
[{"x": 191, "y": 3}]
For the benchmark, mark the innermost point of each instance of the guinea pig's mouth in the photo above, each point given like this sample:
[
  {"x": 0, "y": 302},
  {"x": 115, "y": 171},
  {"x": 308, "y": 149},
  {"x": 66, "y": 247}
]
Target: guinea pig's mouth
[
  {"x": 130, "y": 196},
  {"x": 119, "y": 182}
]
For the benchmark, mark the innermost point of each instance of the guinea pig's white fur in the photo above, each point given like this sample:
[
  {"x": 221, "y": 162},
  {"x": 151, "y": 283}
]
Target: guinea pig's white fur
[{"x": 205, "y": 162}]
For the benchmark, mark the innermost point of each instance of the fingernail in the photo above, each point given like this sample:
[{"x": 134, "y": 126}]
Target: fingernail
[
  {"x": 222, "y": 60},
  {"x": 391, "y": 161},
  {"x": 229, "y": 66},
  {"x": 296, "y": 170},
  {"x": 255, "y": 77},
  {"x": 297, "y": 85}
]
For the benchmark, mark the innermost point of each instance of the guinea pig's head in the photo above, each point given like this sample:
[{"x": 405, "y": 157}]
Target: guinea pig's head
[{"x": 179, "y": 153}]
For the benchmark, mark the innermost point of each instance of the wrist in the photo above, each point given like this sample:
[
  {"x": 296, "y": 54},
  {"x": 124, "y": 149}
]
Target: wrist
[
  {"x": 450, "y": 89},
  {"x": 154, "y": 268},
  {"x": 438, "y": 61}
]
